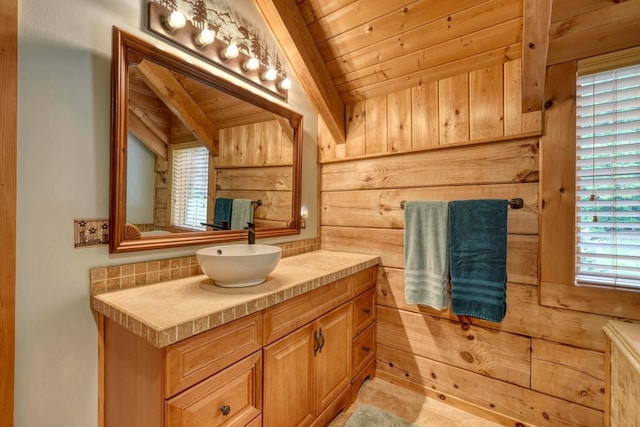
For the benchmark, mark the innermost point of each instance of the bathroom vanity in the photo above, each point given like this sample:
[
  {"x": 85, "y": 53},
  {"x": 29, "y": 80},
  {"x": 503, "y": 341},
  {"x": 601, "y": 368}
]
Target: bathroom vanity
[{"x": 292, "y": 351}]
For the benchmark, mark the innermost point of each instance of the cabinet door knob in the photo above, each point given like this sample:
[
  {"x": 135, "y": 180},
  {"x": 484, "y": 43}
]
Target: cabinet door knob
[
  {"x": 322, "y": 342},
  {"x": 366, "y": 348},
  {"x": 366, "y": 310},
  {"x": 225, "y": 409}
]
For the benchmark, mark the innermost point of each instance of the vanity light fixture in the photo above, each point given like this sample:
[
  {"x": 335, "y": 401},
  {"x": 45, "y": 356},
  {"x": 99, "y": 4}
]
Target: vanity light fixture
[
  {"x": 221, "y": 38},
  {"x": 270, "y": 75},
  {"x": 205, "y": 37},
  {"x": 251, "y": 64},
  {"x": 230, "y": 51},
  {"x": 284, "y": 84},
  {"x": 176, "y": 20}
]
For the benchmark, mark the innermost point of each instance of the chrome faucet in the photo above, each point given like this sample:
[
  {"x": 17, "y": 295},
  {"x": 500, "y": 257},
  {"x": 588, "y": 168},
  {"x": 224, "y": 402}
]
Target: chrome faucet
[{"x": 251, "y": 233}]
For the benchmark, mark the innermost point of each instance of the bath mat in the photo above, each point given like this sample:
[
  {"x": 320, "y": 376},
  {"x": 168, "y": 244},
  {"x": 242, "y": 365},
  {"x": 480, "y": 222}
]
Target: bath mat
[{"x": 372, "y": 416}]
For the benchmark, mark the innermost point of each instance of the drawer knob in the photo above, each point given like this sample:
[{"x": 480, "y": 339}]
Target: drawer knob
[
  {"x": 366, "y": 348},
  {"x": 225, "y": 409},
  {"x": 366, "y": 310}
]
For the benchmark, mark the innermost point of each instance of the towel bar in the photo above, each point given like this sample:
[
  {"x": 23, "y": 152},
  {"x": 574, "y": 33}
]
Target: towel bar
[
  {"x": 516, "y": 203},
  {"x": 256, "y": 202}
]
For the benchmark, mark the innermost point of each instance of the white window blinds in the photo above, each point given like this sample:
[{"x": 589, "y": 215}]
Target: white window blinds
[
  {"x": 189, "y": 181},
  {"x": 608, "y": 178}
]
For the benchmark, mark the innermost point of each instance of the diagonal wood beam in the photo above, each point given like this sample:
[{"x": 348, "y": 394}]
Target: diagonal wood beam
[
  {"x": 289, "y": 28},
  {"x": 138, "y": 124},
  {"x": 178, "y": 100},
  {"x": 535, "y": 48}
]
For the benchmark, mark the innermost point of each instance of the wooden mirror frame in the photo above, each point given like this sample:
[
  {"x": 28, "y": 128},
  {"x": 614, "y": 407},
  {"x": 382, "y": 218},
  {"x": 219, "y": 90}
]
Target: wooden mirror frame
[{"x": 129, "y": 49}]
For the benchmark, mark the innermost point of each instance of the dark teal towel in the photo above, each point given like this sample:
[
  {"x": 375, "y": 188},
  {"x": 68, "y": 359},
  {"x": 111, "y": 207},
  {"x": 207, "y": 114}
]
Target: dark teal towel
[
  {"x": 478, "y": 258},
  {"x": 222, "y": 213}
]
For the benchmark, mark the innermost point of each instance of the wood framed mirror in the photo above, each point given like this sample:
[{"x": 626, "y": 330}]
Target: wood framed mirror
[{"x": 194, "y": 155}]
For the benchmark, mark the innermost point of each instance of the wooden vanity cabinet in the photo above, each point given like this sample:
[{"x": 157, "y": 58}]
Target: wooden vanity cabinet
[{"x": 297, "y": 363}]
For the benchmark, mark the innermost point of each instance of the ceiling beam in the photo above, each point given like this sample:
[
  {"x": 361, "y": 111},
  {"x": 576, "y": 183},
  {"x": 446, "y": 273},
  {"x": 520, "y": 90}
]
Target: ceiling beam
[
  {"x": 289, "y": 28},
  {"x": 146, "y": 132},
  {"x": 535, "y": 48},
  {"x": 178, "y": 100}
]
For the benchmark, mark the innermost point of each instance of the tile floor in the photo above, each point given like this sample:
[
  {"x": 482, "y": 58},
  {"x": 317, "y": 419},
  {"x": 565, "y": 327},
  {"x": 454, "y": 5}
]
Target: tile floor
[{"x": 411, "y": 406}]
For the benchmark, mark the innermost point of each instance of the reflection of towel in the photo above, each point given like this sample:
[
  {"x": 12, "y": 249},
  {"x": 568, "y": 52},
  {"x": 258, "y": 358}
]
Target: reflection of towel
[
  {"x": 478, "y": 258},
  {"x": 241, "y": 213},
  {"x": 426, "y": 263},
  {"x": 222, "y": 212}
]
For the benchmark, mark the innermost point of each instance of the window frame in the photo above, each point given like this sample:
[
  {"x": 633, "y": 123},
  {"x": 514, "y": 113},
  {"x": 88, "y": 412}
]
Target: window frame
[
  {"x": 184, "y": 146},
  {"x": 557, "y": 214}
]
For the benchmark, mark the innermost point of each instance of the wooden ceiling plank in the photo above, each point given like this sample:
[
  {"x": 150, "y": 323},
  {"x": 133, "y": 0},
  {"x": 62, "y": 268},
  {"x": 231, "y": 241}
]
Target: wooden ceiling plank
[
  {"x": 178, "y": 100},
  {"x": 601, "y": 31},
  {"x": 482, "y": 60},
  {"x": 312, "y": 10},
  {"x": 565, "y": 9},
  {"x": 287, "y": 25},
  {"x": 456, "y": 25},
  {"x": 399, "y": 21},
  {"x": 535, "y": 47},
  {"x": 353, "y": 15},
  {"x": 148, "y": 121},
  {"x": 146, "y": 135},
  {"x": 486, "y": 40}
]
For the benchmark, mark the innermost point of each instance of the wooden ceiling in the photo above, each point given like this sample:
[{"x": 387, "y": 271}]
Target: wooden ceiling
[
  {"x": 167, "y": 108},
  {"x": 347, "y": 50}
]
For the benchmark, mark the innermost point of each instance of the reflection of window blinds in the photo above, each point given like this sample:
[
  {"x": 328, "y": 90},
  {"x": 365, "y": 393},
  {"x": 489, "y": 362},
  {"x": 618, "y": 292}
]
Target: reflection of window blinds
[
  {"x": 190, "y": 176},
  {"x": 608, "y": 178}
]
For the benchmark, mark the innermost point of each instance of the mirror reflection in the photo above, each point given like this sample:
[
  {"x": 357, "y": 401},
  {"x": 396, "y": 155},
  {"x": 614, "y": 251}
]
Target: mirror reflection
[
  {"x": 195, "y": 157},
  {"x": 202, "y": 160}
]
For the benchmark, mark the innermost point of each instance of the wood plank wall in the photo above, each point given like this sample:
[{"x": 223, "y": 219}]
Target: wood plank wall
[
  {"x": 255, "y": 162},
  {"x": 461, "y": 138}
]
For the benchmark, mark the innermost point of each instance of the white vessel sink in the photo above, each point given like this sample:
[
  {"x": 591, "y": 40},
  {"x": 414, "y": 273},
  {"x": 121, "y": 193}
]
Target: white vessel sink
[{"x": 235, "y": 266}]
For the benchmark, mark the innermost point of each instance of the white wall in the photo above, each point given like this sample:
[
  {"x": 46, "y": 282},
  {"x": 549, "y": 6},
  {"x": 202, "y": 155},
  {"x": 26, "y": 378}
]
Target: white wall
[
  {"x": 141, "y": 188},
  {"x": 64, "y": 55}
]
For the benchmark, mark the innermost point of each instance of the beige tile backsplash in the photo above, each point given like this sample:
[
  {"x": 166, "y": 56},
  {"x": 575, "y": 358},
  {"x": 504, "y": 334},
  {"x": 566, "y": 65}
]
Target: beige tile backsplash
[{"x": 103, "y": 279}]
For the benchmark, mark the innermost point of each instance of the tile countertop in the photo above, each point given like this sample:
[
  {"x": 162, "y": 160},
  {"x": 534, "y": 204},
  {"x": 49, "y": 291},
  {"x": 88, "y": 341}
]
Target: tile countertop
[{"x": 168, "y": 312}]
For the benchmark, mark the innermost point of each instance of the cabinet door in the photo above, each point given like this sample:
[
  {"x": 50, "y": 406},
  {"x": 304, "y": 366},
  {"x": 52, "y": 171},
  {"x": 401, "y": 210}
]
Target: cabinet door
[
  {"x": 288, "y": 380},
  {"x": 333, "y": 361}
]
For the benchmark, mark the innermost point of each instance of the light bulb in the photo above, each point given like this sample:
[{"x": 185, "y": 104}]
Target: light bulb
[
  {"x": 205, "y": 37},
  {"x": 175, "y": 20},
  {"x": 270, "y": 74},
  {"x": 230, "y": 51},
  {"x": 251, "y": 64},
  {"x": 284, "y": 84}
]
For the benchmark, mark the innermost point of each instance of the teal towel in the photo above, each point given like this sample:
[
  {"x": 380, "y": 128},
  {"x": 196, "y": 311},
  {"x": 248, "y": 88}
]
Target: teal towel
[
  {"x": 222, "y": 212},
  {"x": 478, "y": 258},
  {"x": 426, "y": 262},
  {"x": 241, "y": 213}
]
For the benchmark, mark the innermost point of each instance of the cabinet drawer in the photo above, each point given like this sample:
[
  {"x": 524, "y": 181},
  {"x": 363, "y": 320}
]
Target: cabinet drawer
[
  {"x": 363, "y": 349},
  {"x": 288, "y": 316},
  {"x": 190, "y": 361},
  {"x": 364, "y": 280},
  {"x": 231, "y": 397},
  {"x": 364, "y": 311}
]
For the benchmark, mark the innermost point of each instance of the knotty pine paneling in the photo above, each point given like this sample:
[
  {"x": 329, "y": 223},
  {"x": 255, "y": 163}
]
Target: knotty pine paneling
[
  {"x": 507, "y": 162},
  {"x": 380, "y": 208},
  {"x": 571, "y": 373},
  {"x": 522, "y": 250},
  {"x": 482, "y": 105},
  {"x": 520, "y": 404},
  {"x": 492, "y": 353},
  {"x": 524, "y": 315}
]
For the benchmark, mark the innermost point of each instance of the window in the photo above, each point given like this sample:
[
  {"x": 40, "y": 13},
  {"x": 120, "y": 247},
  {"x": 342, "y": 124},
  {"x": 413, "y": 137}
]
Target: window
[
  {"x": 608, "y": 178},
  {"x": 189, "y": 182}
]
